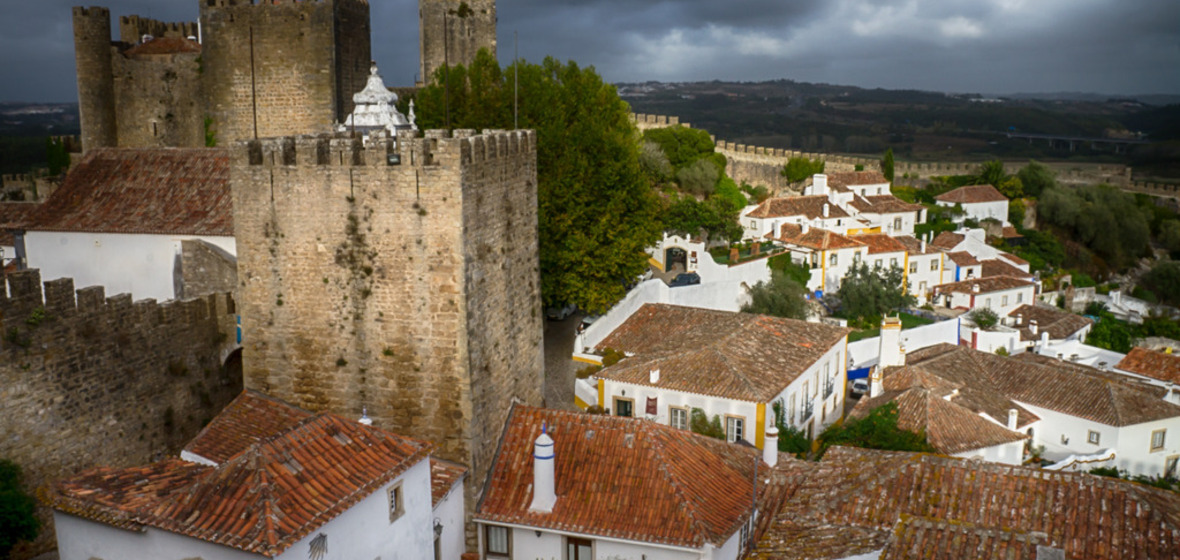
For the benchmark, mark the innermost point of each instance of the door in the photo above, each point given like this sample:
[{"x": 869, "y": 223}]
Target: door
[{"x": 578, "y": 549}]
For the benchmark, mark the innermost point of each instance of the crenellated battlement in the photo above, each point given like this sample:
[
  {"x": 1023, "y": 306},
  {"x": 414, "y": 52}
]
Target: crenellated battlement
[
  {"x": 348, "y": 149},
  {"x": 95, "y": 12},
  {"x": 265, "y": 4},
  {"x": 132, "y": 28}
]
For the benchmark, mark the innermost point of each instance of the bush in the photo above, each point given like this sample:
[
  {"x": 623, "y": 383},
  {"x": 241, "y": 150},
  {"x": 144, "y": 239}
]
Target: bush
[
  {"x": 610, "y": 357},
  {"x": 18, "y": 520},
  {"x": 698, "y": 178},
  {"x": 781, "y": 297},
  {"x": 877, "y": 430},
  {"x": 797, "y": 169},
  {"x": 700, "y": 423}
]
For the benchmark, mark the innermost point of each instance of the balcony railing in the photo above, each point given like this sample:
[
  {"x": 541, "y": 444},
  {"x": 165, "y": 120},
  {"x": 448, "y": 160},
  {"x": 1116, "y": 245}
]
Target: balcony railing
[
  {"x": 829, "y": 387},
  {"x": 808, "y": 410}
]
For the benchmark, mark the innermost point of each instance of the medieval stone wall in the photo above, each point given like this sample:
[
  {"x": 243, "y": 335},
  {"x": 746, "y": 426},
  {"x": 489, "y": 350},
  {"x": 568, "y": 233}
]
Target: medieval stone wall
[
  {"x": 87, "y": 380},
  {"x": 96, "y": 81},
  {"x": 133, "y": 28},
  {"x": 402, "y": 280},
  {"x": 453, "y": 31},
  {"x": 157, "y": 100}
]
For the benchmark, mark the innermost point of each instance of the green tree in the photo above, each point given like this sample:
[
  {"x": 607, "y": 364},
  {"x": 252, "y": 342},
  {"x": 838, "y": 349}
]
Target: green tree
[
  {"x": 684, "y": 146},
  {"x": 866, "y": 293},
  {"x": 985, "y": 318},
  {"x": 887, "y": 165},
  {"x": 790, "y": 439},
  {"x": 1016, "y": 213},
  {"x": 877, "y": 430},
  {"x": 654, "y": 162},
  {"x": 1011, "y": 187},
  {"x": 1036, "y": 178},
  {"x": 698, "y": 178},
  {"x": 1169, "y": 236},
  {"x": 597, "y": 213},
  {"x": 1164, "y": 280},
  {"x": 713, "y": 218},
  {"x": 700, "y": 423},
  {"x": 798, "y": 169},
  {"x": 781, "y": 297},
  {"x": 18, "y": 520},
  {"x": 991, "y": 173},
  {"x": 56, "y": 155}
]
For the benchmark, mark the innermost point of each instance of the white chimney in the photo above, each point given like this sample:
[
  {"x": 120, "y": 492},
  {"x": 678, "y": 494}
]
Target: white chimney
[
  {"x": 654, "y": 376},
  {"x": 1013, "y": 415},
  {"x": 876, "y": 387},
  {"x": 891, "y": 352},
  {"x": 975, "y": 288},
  {"x": 770, "y": 447},
  {"x": 544, "y": 483},
  {"x": 827, "y": 210},
  {"x": 922, "y": 246},
  {"x": 1032, "y": 326},
  {"x": 145, "y": 38},
  {"x": 364, "y": 419},
  {"x": 1045, "y": 341},
  {"x": 819, "y": 184},
  {"x": 804, "y": 228},
  {"x": 1019, "y": 318},
  {"x": 777, "y": 228}
]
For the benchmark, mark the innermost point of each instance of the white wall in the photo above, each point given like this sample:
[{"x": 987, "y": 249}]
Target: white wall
[
  {"x": 1004, "y": 453},
  {"x": 666, "y": 398},
  {"x": 1134, "y": 452},
  {"x": 1016, "y": 297},
  {"x": 83, "y": 539},
  {"x": 980, "y": 211},
  {"x": 528, "y": 545},
  {"x": 139, "y": 264},
  {"x": 990, "y": 341},
  {"x": 450, "y": 512},
  {"x": 865, "y": 352}
]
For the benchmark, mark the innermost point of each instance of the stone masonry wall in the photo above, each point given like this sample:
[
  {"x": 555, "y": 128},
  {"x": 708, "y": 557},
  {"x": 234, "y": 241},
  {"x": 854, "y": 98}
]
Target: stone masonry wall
[
  {"x": 204, "y": 269},
  {"x": 96, "y": 82},
  {"x": 399, "y": 280},
  {"x": 133, "y": 28},
  {"x": 87, "y": 380},
  {"x": 157, "y": 101},
  {"x": 454, "y": 31}
]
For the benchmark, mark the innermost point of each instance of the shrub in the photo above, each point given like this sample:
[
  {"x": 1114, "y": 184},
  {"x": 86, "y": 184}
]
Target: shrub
[
  {"x": 18, "y": 520},
  {"x": 985, "y": 318},
  {"x": 700, "y": 423}
]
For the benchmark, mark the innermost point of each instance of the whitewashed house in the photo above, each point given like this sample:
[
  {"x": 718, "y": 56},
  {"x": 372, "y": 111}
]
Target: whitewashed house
[
  {"x": 121, "y": 216},
  {"x": 733, "y": 366},
  {"x": 581, "y": 486},
  {"x": 979, "y": 202},
  {"x": 1001, "y": 294},
  {"x": 924, "y": 267},
  {"x": 267, "y": 480},
  {"x": 830, "y": 255},
  {"x": 818, "y": 211}
]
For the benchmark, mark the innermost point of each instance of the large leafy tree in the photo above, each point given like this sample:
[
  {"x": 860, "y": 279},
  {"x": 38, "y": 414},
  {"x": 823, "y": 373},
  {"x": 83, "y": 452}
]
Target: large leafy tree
[
  {"x": 877, "y": 430},
  {"x": 781, "y": 297},
  {"x": 887, "y": 165},
  {"x": 597, "y": 213},
  {"x": 868, "y": 293},
  {"x": 1036, "y": 178},
  {"x": 798, "y": 169},
  {"x": 18, "y": 521}
]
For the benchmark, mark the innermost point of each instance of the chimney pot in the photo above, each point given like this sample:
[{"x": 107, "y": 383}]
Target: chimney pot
[
  {"x": 1013, "y": 417},
  {"x": 654, "y": 376},
  {"x": 827, "y": 209},
  {"x": 544, "y": 483},
  {"x": 975, "y": 288},
  {"x": 770, "y": 447},
  {"x": 1032, "y": 326}
]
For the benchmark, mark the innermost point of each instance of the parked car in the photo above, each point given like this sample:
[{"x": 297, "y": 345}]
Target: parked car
[
  {"x": 860, "y": 387},
  {"x": 560, "y": 312},
  {"x": 685, "y": 279},
  {"x": 587, "y": 321}
]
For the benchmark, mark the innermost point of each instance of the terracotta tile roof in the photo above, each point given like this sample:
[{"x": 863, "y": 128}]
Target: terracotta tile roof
[
  {"x": 884, "y": 204},
  {"x": 972, "y": 194},
  {"x": 626, "y": 478},
  {"x": 986, "y": 285},
  {"x": 14, "y": 215},
  {"x": 816, "y": 238},
  {"x": 906, "y": 505},
  {"x": 719, "y": 353},
  {"x": 1009, "y": 232},
  {"x": 1059, "y": 324},
  {"x": 263, "y": 500},
  {"x": 948, "y": 240},
  {"x": 444, "y": 475},
  {"x": 913, "y": 245},
  {"x": 811, "y": 207},
  {"x": 951, "y": 425},
  {"x": 1090, "y": 394},
  {"x": 856, "y": 178},
  {"x": 963, "y": 258},
  {"x": 997, "y": 267},
  {"x": 1152, "y": 363},
  {"x": 180, "y": 191},
  {"x": 165, "y": 45},
  {"x": 1013, "y": 259},
  {"x": 250, "y": 418},
  {"x": 880, "y": 243}
]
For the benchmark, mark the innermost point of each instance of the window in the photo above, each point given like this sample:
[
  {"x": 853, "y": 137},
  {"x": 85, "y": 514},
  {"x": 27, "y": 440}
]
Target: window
[
  {"x": 913, "y": 268},
  {"x": 987, "y": 302},
  {"x": 834, "y": 260},
  {"x": 791, "y": 410},
  {"x": 624, "y": 407},
  {"x": 1157, "y": 440},
  {"x": 753, "y": 224},
  {"x": 396, "y": 507},
  {"x": 922, "y": 287},
  {"x": 1170, "y": 466},
  {"x": 678, "y": 418},
  {"x": 1019, "y": 297},
  {"x": 1004, "y": 300},
  {"x": 856, "y": 257},
  {"x": 497, "y": 541},
  {"x": 877, "y": 263},
  {"x": 578, "y": 549},
  {"x": 733, "y": 428},
  {"x": 1093, "y": 437},
  {"x": 897, "y": 224},
  {"x": 933, "y": 265},
  {"x": 893, "y": 262}
]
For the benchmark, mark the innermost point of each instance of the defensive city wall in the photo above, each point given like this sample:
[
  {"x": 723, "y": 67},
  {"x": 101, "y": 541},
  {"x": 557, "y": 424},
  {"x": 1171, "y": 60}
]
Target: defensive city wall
[
  {"x": 759, "y": 165},
  {"x": 87, "y": 380}
]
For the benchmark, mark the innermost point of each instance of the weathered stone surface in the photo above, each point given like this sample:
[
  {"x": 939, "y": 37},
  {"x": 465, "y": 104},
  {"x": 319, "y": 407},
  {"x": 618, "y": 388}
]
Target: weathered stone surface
[
  {"x": 453, "y": 31},
  {"x": 205, "y": 269},
  {"x": 88, "y": 381}
]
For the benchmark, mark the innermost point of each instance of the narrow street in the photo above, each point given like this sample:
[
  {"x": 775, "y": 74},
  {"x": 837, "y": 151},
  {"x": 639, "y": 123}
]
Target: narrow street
[{"x": 559, "y": 367}]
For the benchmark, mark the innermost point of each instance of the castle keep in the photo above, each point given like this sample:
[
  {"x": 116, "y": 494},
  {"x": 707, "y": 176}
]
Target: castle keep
[
  {"x": 398, "y": 278},
  {"x": 453, "y": 31},
  {"x": 268, "y": 69}
]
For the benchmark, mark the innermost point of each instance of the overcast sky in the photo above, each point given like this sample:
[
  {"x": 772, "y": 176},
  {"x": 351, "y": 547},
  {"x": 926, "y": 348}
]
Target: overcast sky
[{"x": 985, "y": 46}]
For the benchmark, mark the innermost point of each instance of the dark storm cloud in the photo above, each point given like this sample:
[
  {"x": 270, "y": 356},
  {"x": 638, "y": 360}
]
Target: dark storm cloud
[{"x": 1107, "y": 46}]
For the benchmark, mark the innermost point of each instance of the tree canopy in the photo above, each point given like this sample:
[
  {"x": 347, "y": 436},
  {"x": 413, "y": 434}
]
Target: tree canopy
[
  {"x": 866, "y": 293},
  {"x": 18, "y": 520},
  {"x": 887, "y": 165},
  {"x": 597, "y": 212},
  {"x": 798, "y": 169},
  {"x": 1108, "y": 223},
  {"x": 877, "y": 430},
  {"x": 781, "y": 297}
]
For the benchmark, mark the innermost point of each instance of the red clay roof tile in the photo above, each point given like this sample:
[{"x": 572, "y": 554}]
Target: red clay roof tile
[
  {"x": 1152, "y": 363},
  {"x": 972, "y": 194},
  {"x": 811, "y": 207},
  {"x": 880, "y": 243},
  {"x": 250, "y": 418}
]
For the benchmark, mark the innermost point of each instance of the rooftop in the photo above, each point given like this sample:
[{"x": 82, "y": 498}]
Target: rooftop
[
  {"x": 14, "y": 215},
  {"x": 171, "y": 191},
  {"x": 963, "y": 258},
  {"x": 1163, "y": 366},
  {"x": 816, "y": 238},
  {"x": 913, "y": 245},
  {"x": 263, "y": 500},
  {"x": 856, "y": 178},
  {"x": 719, "y": 353},
  {"x": 880, "y": 243},
  {"x": 1059, "y": 324},
  {"x": 250, "y": 418},
  {"x": 165, "y": 45},
  {"x": 884, "y": 204},
  {"x": 811, "y": 207},
  {"x": 948, "y": 240},
  {"x": 972, "y": 194},
  {"x": 998, "y": 267},
  {"x": 626, "y": 478},
  {"x": 906, "y": 505},
  {"x": 986, "y": 285}
]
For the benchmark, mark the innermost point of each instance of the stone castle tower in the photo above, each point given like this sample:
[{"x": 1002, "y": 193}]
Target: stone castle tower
[
  {"x": 249, "y": 70},
  {"x": 398, "y": 278},
  {"x": 453, "y": 31}
]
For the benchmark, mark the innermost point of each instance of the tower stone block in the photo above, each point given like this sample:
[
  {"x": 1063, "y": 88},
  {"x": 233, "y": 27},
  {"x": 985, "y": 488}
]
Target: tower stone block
[
  {"x": 453, "y": 31},
  {"x": 401, "y": 278},
  {"x": 96, "y": 83}
]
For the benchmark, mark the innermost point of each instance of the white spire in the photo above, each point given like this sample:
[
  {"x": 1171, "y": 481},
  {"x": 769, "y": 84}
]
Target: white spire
[{"x": 375, "y": 109}]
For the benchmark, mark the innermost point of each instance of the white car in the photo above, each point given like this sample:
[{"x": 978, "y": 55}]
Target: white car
[{"x": 860, "y": 387}]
